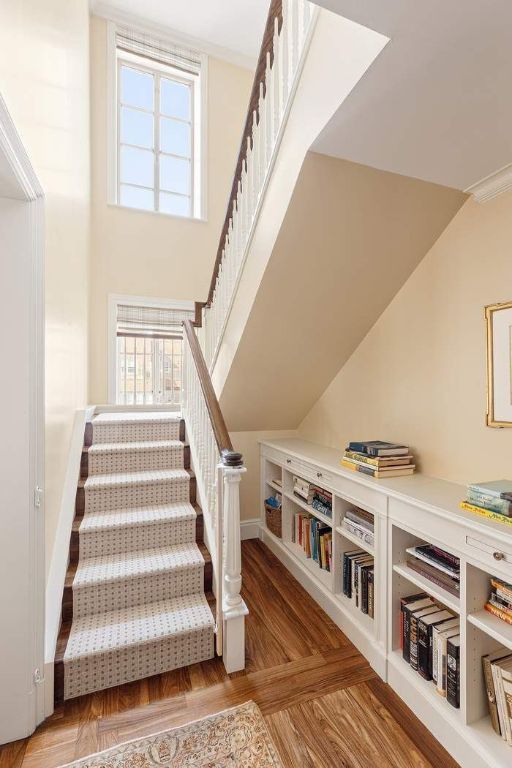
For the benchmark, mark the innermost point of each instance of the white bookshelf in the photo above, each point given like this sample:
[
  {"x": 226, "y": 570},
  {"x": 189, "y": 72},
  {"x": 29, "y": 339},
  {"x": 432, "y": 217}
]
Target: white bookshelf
[{"x": 407, "y": 511}]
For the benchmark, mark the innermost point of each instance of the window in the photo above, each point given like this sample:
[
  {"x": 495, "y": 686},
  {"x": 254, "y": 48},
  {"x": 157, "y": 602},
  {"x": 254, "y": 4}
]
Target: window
[
  {"x": 146, "y": 358},
  {"x": 158, "y": 126}
]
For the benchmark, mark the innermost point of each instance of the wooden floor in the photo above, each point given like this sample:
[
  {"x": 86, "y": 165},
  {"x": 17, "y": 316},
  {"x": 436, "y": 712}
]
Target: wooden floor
[{"x": 323, "y": 704}]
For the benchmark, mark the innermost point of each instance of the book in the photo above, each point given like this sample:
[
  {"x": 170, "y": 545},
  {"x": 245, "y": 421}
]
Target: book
[
  {"x": 498, "y": 613},
  {"x": 503, "y": 589},
  {"x": 414, "y": 619},
  {"x": 383, "y": 471},
  {"x": 425, "y": 627},
  {"x": 407, "y": 609},
  {"x": 502, "y": 678},
  {"x": 347, "y": 569},
  {"x": 442, "y": 651},
  {"x": 362, "y": 517},
  {"x": 501, "y": 604},
  {"x": 404, "y": 601},
  {"x": 434, "y": 575},
  {"x": 371, "y": 587},
  {"x": 451, "y": 627},
  {"x": 423, "y": 554},
  {"x": 489, "y": 685},
  {"x": 453, "y": 671},
  {"x": 378, "y": 461},
  {"x": 376, "y": 473},
  {"x": 467, "y": 507},
  {"x": 492, "y": 503},
  {"x": 501, "y": 489},
  {"x": 378, "y": 448},
  {"x": 359, "y": 531}
]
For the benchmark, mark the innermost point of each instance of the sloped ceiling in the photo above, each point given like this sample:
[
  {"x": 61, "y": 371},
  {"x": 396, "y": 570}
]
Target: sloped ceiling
[
  {"x": 436, "y": 103},
  {"x": 351, "y": 238}
]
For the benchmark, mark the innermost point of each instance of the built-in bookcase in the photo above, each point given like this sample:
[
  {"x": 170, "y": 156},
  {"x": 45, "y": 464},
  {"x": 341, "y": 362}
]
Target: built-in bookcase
[{"x": 407, "y": 512}]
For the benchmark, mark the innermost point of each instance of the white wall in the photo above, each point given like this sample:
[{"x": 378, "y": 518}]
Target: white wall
[
  {"x": 44, "y": 79},
  {"x": 150, "y": 254},
  {"x": 419, "y": 376}
]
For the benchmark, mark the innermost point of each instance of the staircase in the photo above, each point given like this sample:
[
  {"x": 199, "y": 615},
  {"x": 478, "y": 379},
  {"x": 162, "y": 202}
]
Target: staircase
[{"x": 135, "y": 598}]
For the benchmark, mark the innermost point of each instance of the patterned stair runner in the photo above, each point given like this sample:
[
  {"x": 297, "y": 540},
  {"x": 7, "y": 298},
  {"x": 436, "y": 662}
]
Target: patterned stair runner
[{"x": 137, "y": 601}]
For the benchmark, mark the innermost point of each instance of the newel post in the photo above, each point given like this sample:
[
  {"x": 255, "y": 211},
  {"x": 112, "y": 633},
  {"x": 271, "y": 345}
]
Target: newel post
[{"x": 234, "y": 609}]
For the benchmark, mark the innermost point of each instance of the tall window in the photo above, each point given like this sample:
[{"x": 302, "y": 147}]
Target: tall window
[{"x": 159, "y": 122}]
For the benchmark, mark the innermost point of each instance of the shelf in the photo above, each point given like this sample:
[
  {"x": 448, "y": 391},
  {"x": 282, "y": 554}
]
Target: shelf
[
  {"x": 493, "y": 743},
  {"x": 325, "y": 577},
  {"x": 308, "y": 508},
  {"x": 444, "y": 597},
  {"x": 493, "y": 626},
  {"x": 426, "y": 687},
  {"x": 278, "y": 488},
  {"x": 365, "y": 622},
  {"x": 355, "y": 540}
]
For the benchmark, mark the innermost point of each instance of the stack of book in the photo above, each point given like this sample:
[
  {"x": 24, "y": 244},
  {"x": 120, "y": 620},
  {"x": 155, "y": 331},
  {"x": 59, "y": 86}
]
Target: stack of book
[
  {"x": 378, "y": 459},
  {"x": 492, "y": 500},
  {"x": 313, "y": 495},
  {"x": 498, "y": 685},
  {"x": 500, "y": 600},
  {"x": 436, "y": 565},
  {"x": 430, "y": 643},
  {"x": 359, "y": 580},
  {"x": 360, "y": 523},
  {"x": 314, "y": 537}
]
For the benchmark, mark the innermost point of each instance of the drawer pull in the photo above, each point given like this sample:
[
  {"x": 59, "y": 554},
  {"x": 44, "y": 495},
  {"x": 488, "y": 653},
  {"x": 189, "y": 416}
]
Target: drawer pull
[
  {"x": 498, "y": 555},
  {"x": 288, "y": 461},
  {"x": 319, "y": 474}
]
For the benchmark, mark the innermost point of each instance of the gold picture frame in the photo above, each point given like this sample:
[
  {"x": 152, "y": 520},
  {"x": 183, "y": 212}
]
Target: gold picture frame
[{"x": 498, "y": 319}]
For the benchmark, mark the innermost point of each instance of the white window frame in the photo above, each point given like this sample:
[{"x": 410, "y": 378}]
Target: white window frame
[
  {"x": 114, "y": 299},
  {"x": 199, "y": 180}
]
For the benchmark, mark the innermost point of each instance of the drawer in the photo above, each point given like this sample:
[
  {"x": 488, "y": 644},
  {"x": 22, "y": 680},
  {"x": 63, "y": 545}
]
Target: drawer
[
  {"x": 308, "y": 471},
  {"x": 497, "y": 554}
]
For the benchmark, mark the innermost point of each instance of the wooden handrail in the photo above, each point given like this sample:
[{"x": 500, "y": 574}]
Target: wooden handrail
[
  {"x": 267, "y": 46},
  {"x": 229, "y": 456}
]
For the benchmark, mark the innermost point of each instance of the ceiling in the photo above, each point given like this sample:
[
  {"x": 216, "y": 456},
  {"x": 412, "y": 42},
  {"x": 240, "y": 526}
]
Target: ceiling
[
  {"x": 235, "y": 26},
  {"x": 437, "y": 103}
]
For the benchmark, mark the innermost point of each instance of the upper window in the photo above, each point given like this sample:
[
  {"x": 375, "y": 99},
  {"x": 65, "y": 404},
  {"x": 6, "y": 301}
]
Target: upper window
[{"x": 158, "y": 132}]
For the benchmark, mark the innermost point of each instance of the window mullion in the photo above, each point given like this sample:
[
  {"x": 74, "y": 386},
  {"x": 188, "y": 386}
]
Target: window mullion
[{"x": 157, "y": 141}]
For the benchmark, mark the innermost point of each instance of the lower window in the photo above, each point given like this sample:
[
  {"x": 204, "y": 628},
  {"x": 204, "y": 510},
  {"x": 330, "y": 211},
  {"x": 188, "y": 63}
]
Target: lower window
[{"x": 149, "y": 370}]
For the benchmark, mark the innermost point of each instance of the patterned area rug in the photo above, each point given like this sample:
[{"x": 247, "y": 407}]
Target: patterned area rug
[{"x": 235, "y": 738}]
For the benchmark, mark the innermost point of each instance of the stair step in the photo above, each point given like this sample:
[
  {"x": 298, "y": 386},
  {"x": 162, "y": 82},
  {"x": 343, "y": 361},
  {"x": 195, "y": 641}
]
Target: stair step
[
  {"x": 112, "y": 582},
  {"x": 119, "y": 646},
  {"x": 127, "y": 530},
  {"x": 136, "y": 425},
  {"x": 136, "y": 489},
  {"x": 104, "y": 458}
]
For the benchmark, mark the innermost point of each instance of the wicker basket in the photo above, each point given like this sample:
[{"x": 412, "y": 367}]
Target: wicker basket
[{"x": 274, "y": 520}]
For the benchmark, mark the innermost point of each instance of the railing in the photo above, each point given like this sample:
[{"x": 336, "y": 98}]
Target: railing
[
  {"x": 218, "y": 470},
  {"x": 285, "y": 42}
]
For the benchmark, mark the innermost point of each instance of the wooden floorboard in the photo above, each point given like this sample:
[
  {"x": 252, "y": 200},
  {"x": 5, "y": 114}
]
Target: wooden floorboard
[{"x": 323, "y": 703}]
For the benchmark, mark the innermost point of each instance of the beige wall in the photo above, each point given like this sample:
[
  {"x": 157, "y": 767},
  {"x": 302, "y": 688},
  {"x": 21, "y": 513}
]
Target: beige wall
[
  {"x": 247, "y": 443},
  {"x": 149, "y": 254},
  {"x": 419, "y": 376},
  {"x": 44, "y": 79}
]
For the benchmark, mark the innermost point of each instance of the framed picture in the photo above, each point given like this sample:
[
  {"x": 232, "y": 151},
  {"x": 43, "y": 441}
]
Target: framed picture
[{"x": 499, "y": 364}]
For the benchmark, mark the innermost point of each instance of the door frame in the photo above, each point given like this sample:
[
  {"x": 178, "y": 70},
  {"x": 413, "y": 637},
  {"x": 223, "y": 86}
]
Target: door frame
[
  {"x": 30, "y": 191},
  {"x": 114, "y": 299}
]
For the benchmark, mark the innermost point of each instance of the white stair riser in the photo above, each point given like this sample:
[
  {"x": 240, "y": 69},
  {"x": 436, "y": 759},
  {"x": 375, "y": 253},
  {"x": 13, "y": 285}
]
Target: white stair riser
[
  {"x": 109, "y": 596},
  {"x": 99, "y": 671},
  {"x": 137, "y": 537},
  {"x": 107, "y": 498},
  {"x": 126, "y": 433},
  {"x": 135, "y": 460}
]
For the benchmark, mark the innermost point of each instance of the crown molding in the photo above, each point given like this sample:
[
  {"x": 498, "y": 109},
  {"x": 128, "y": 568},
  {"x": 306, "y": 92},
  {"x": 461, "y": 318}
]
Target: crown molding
[
  {"x": 106, "y": 11},
  {"x": 493, "y": 185}
]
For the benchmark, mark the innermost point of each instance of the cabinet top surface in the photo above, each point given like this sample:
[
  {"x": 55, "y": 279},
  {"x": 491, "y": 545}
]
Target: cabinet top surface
[{"x": 432, "y": 494}]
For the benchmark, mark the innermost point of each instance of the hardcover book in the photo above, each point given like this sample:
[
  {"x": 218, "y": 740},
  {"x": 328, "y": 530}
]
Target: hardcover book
[
  {"x": 453, "y": 671},
  {"x": 378, "y": 448},
  {"x": 501, "y": 489}
]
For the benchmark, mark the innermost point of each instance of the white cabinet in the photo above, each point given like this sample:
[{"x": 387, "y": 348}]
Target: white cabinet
[{"x": 406, "y": 511}]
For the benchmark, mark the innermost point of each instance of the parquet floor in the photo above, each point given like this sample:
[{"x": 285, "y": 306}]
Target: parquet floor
[{"x": 324, "y": 705}]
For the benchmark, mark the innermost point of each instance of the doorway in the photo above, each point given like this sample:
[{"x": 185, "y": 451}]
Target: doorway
[{"x": 22, "y": 572}]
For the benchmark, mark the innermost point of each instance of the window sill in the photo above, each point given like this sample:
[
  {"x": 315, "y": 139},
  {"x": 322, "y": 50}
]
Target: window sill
[{"x": 197, "y": 219}]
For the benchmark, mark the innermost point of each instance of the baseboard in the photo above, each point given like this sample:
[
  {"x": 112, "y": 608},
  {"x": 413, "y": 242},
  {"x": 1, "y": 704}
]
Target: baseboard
[
  {"x": 249, "y": 529},
  {"x": 60, "y": 553}
]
